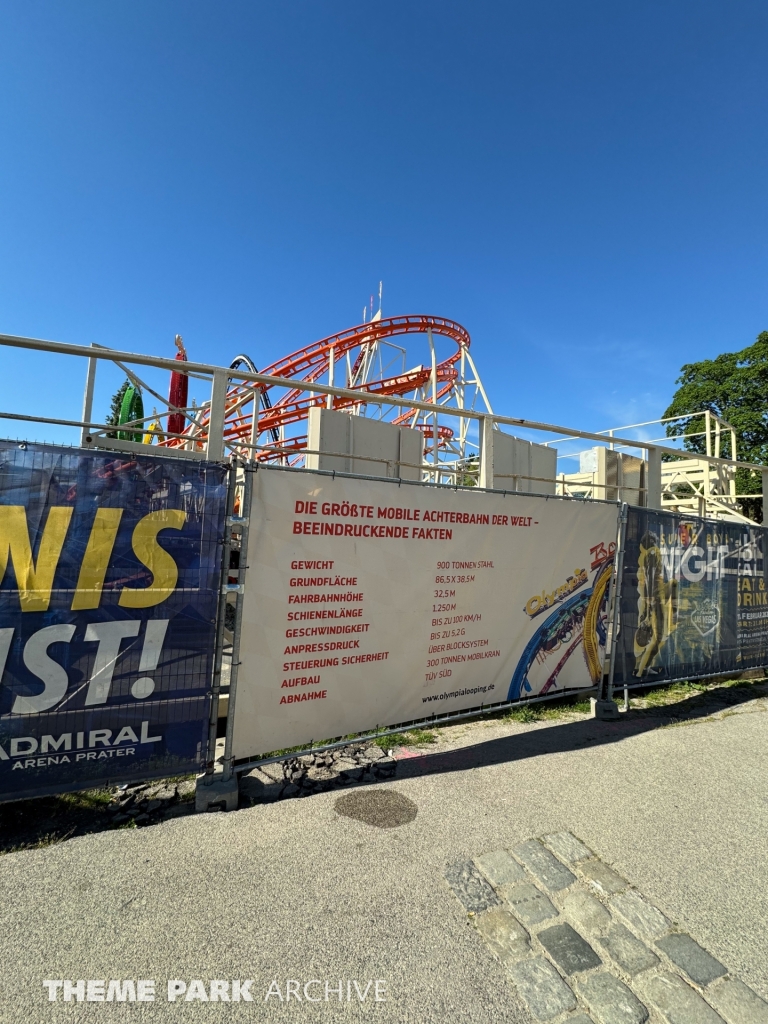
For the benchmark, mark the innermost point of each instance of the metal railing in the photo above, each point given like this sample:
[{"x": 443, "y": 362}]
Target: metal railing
[{"x": 217, "y": 446}]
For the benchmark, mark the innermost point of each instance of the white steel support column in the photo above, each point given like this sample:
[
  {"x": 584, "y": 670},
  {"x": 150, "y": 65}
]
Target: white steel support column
[
  {"x": 733, "y": 458},
  {"x": 460, "y": 396},
  {"x": 707, "y": 468},
  {"x": 215, "y": 447},
  {"x": 254, "y": 438},
  {"x": 486, "y": 453},
  {"x": 434, "y": 400},
  {"x": 331, "y": 367},
  {"x": 478, "y": 382}
]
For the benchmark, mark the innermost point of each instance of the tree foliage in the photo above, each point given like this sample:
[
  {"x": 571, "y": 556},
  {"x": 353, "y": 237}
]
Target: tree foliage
[
  {"x": 113, "y": 419},
  {"x": 733, "y": 386}
]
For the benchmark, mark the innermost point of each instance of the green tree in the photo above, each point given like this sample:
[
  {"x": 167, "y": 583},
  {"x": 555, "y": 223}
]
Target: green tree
[
  {"x": 733, "y": 386},
  {"x": 469, "y": 472},
  {"x": 113, "y": 419}
]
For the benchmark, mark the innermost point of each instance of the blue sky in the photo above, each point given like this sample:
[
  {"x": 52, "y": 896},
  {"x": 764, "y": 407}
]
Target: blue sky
[{"x": 582, "y": 185}]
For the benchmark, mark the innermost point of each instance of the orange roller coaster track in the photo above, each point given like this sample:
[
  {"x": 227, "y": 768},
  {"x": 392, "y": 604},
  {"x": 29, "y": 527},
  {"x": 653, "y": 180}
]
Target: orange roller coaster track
[{"x": 353, "y": 351}]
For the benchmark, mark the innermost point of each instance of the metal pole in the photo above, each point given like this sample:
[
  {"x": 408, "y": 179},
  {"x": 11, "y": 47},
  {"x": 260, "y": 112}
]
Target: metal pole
[
  {"x": 460, "y": 402},
  {"x": 329, "y": 398},
  {"x": 254, "y": 425},
  {"x": 481, "y": 389},
  {"x": 616, "y": 601},
  {"x": 243, "y": 525},
  {"x": 434, "y": 397},
  {"x": 707, "y": 481},
  {"x": 733, "y": 457},
  {"x": 90, "y": 380},
  {"x": 220, "y": 617}
]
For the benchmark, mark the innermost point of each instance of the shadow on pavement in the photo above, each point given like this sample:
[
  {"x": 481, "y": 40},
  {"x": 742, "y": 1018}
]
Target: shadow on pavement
[
  {"x": 37, "y": 823},
  {"x": 576, "y": 735},
  {"x": 47, "y": 820}
]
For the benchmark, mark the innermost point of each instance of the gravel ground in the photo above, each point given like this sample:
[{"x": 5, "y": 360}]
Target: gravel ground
[{"x": 676, "y": 799}]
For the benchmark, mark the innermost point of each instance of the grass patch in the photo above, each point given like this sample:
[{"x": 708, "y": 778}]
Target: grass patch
[
  {"x": 39, "y": 822},
  {"x": 87, "y": 800},
  {"x": 743, "y": 684},
  {"x": 412, "y": 738},
  {"x": 672, "y": 693},
  {"x": 667, "y": 695},
  {"x": 49, "y": 839},
  {"x": 420, "y": 737},
  {"x": 524, "y": 715},
  {"x": 315, "y": 745},
  {"x": 529, "y": 713}
]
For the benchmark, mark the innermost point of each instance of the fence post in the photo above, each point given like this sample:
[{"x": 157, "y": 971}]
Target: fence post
[
  {"x": 210, "y": 791},
  {"x": 605, "y": 707},
  {"x": 486, "y": 454},
  {"x": 243, "y": 525}
]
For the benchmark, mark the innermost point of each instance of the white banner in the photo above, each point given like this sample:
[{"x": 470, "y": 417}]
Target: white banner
[{"x": 369, "y": 604}]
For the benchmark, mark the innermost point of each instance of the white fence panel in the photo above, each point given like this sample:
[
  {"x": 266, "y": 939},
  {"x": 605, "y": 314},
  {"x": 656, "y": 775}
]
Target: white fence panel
[{"x": 368, "y": 603}]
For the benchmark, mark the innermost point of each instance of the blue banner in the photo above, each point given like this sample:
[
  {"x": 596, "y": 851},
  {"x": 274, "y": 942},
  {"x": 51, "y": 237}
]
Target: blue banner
[
  {"x": 109, "y": 575},
  {"x": 694, "y": 598}
]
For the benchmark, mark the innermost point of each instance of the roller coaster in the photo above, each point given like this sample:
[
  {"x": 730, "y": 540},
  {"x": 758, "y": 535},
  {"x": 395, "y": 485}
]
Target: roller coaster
[
  {"x": 579, "y": 621},
  {"x": 268, "y": 423}
]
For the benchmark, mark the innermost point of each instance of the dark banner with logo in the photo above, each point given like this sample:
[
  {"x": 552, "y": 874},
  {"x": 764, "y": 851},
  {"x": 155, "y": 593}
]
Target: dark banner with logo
[
  {"x": 693, "y": 599},
  {"x": 109, "y": 574}
]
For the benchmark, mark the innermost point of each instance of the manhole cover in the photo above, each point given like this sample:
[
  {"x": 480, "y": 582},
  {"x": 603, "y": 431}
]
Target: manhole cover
[{"x": 378, "y": 807}]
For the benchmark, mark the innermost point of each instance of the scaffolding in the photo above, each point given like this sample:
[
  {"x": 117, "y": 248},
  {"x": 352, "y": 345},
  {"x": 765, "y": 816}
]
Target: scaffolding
[{"x": 702, "y": 485}]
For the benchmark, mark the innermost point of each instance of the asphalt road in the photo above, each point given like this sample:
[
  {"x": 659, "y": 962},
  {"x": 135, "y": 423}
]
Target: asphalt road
[{"x": 295, "y": 891}]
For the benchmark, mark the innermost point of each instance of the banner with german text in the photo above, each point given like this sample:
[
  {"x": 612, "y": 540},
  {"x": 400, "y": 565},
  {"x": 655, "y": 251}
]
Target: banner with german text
[{"x": 370, "y": 603}]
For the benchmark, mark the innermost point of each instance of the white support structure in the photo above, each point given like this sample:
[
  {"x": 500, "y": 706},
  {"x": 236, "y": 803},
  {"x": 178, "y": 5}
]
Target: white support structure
[
  {"x": 520, "y": 465},
  {"x": 331, "y": 367},
  {"x": 695, "y": 484},
  {"x": 653, "y": 479},
  {"x": 354, "y": 444},
  {"x": 607, "y": 474},
  {"x": 486, "y": 453},
  {"x": 215, "y": 445},
  {"x": 90, "y": 380}
]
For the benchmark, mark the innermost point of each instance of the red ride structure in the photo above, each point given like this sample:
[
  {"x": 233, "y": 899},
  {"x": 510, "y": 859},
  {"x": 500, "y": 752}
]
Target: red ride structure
[
  {"x": 178, "y": 391},
  {"x": 268, "y": 420}
]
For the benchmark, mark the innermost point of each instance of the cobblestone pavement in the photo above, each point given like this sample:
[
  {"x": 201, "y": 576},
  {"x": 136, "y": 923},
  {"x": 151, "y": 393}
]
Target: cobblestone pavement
[{"x": 581, "y": 945}]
